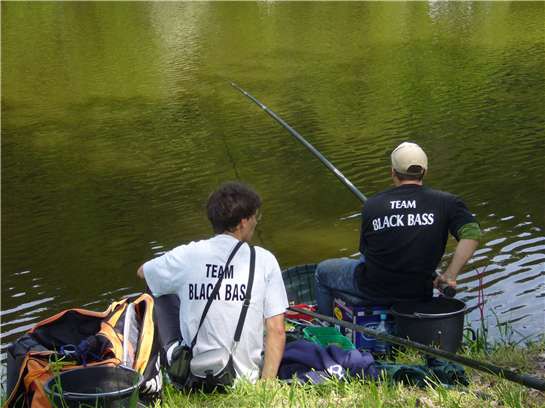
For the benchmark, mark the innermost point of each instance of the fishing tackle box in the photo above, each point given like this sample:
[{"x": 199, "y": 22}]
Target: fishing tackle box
[{"x": 366, "y": 316}]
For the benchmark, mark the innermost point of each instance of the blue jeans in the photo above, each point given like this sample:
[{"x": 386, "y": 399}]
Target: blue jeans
[
  {"x": 166, "y": 314},
  {"x": 337, "y": 278}
]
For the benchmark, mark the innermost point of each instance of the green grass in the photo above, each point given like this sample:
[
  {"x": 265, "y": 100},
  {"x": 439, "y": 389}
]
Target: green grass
[{"x": 484, "y": 391}]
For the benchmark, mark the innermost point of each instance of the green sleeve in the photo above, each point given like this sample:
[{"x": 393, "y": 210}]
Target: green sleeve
[{"x": 471, "y": 230}]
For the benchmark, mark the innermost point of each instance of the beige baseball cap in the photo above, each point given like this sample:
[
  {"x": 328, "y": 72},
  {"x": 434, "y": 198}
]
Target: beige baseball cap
[{"x": 408, "y": 154}]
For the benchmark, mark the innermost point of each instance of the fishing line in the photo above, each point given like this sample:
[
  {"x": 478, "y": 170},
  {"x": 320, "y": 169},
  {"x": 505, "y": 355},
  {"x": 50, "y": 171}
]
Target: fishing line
[{"x": 237, "y": 175}]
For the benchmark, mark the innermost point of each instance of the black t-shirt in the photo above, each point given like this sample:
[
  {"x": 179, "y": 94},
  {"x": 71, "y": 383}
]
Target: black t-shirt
[{"x": 403, "y": 236}]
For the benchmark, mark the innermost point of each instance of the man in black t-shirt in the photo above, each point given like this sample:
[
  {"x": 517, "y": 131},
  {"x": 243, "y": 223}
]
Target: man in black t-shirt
[{"x": 403, "y": 236}]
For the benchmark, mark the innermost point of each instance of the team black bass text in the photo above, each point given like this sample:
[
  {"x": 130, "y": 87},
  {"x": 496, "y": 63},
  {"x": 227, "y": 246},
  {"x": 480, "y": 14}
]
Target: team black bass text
[
  {"x": 402, "y": 220},
  {"x": 202, "y": 291}
]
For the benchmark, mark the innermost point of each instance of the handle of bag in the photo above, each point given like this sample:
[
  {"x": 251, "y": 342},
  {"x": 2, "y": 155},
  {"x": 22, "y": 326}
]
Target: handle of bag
[
  {"x": 215, "y": 291},
  {"x": 248, "y": 296}
]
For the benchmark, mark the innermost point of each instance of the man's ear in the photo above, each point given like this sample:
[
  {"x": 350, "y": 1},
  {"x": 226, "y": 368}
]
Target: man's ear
[{"x": 243, "y": 222}]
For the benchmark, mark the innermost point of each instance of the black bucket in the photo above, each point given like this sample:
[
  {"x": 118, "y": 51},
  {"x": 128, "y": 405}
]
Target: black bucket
[
  {"x": 438, "y": 322},
  {"x": 105, "y": 387}
]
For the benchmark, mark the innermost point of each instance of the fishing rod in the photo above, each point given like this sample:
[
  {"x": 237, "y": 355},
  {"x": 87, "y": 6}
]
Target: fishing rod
[
  {"x": 312, "y": 149},
  {"x": 488, "y": 368},
  {"x": 448, "y": 291}
]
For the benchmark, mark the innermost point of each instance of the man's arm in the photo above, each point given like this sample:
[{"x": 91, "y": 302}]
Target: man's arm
[
  {"x": 274, "y": 345},
  {"x": 140, "y": 272},
  {"x": 464, "y": 251}
]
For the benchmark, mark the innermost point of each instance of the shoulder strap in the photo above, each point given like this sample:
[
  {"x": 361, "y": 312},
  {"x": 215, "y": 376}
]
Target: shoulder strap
[
  {"x": 215, "y": 291},
  {"x": 248, "y": 296}
]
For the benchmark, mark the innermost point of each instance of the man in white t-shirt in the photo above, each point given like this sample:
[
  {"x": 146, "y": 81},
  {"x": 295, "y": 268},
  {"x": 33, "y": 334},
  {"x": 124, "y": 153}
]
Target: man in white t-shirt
[{"x": 191, "y": 271}]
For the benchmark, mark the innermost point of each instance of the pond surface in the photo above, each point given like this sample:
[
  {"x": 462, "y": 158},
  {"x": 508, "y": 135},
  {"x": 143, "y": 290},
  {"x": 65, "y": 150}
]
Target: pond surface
[{"x": 118, "y": 120}]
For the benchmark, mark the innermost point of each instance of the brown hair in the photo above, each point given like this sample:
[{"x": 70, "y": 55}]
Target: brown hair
[
  {"x": 229, "y": 204},
  {"x": 414, "y": 173}
]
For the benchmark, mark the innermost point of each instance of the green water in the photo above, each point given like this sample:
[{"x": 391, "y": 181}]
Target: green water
[{"x": 118, "y": 120}]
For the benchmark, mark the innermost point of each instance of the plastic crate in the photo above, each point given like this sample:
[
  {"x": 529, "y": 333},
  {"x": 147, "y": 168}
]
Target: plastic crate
[{"x": 326, "y": 336}]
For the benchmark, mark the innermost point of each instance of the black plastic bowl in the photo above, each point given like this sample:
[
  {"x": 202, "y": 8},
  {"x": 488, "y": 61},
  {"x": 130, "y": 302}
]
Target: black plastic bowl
[
  {"x": 438, "y": 322},
  {"x": 107, "y": 387}
]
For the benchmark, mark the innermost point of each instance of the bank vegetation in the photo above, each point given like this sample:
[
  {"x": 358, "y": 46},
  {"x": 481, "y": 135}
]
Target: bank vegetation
[{"x": 484, "y": 390}]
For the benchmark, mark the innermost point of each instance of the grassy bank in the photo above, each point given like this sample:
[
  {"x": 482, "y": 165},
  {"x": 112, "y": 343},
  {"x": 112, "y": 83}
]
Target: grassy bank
[{"x": 484, "y": 390}]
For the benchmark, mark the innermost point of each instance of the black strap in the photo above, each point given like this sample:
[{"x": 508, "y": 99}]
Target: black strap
[
  {"x": 215, "y": 291},
  {"x": 248, "y": 296}
]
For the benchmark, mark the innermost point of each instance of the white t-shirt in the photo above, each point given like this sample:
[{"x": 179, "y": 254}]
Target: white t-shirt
[{"x": 191, "y": 272}]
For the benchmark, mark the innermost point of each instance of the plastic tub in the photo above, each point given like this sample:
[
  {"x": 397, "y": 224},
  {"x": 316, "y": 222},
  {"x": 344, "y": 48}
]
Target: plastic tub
[
  {"x": 326, "y": 336},
  {"x": 106, "y": 387}
]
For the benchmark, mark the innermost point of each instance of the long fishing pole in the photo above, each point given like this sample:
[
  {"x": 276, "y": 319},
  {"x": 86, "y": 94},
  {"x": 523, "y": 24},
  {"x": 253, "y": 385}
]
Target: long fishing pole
[
  {"x": 448, "y": 291},
  {"x": 488, "y": 368},
  {"x": 300, "y": 138}
]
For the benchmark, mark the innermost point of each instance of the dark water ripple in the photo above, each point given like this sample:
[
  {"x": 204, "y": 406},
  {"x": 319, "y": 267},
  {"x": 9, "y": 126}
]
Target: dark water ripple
[{"x": 513, "y": 269}]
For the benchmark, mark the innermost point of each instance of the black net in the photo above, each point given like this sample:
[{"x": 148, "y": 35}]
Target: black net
[{"x": 299, "y": 282}]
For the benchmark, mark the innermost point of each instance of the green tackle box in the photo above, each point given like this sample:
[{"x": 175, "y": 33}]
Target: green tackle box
[{"x": 326, "y": 336}]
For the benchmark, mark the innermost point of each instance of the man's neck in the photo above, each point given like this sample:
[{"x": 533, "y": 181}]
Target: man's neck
[
  {"x": 235, "y": 234},
  {"x": 399, "y": 183}
]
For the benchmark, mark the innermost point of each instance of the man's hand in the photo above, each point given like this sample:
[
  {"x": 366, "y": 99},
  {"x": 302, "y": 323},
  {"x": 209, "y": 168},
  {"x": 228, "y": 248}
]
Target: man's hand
[
  {"x": 464, "y": 251},
  {"x": 274, "y": 345},
  {"x": 443, "y": 280}
]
